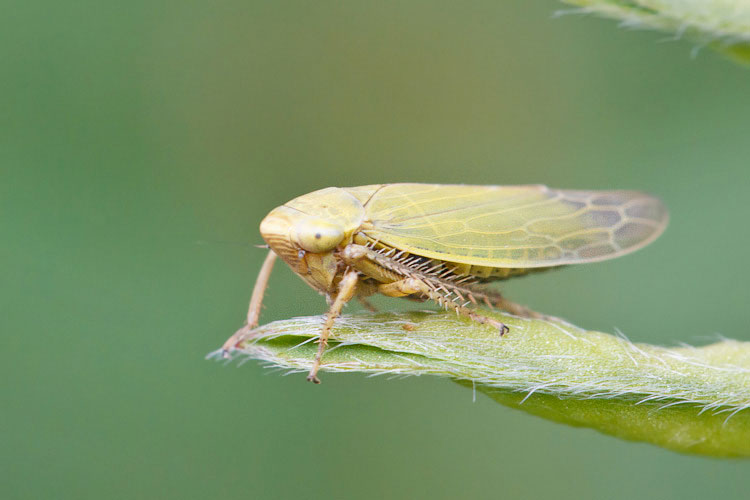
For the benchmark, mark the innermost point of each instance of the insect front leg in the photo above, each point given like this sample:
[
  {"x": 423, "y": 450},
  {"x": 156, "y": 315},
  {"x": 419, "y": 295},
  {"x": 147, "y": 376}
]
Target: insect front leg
[
  {"x": 347, "y": 287},
  {"x": 253, "y": 311}
]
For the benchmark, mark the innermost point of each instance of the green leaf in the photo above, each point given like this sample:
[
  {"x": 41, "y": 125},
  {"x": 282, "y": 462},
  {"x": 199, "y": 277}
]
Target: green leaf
[
  {"x": 723, "y": 25},
  {"x": 687, "y": 399}
]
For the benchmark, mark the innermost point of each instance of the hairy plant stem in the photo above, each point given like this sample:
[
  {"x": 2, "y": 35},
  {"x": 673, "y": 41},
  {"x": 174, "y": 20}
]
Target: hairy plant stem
[{"x": 687, "y": 399}]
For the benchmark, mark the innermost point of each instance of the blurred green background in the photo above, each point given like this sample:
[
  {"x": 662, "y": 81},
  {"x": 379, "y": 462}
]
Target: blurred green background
[{"x": 142, "y": 142}]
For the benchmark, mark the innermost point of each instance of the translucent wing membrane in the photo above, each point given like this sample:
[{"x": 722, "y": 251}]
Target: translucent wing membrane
[{"x": 512, "y": 226}]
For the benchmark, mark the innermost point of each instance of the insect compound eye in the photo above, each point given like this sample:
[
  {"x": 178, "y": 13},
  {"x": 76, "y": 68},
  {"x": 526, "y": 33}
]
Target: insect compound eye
[{"x": 317, "y": 236}]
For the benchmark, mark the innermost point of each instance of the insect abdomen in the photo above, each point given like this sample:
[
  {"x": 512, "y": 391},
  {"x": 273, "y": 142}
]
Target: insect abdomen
[{"x": 492, "y": 273}]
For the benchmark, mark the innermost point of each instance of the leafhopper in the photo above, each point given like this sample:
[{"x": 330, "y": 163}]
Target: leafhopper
[{"x": 444, "y": 243}]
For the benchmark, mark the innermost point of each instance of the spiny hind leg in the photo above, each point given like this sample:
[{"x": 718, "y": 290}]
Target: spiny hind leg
[
  {"x": 419, "y": 283},
  {"x": 522, "y": 311},
  {"x": 411, "y": 286},
  {"x": 347, "y": 287},
  {"x": 494, "y": 299}
]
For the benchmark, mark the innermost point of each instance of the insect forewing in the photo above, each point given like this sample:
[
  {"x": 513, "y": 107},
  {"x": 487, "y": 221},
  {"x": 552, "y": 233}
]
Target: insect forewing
[{"x": 513, "y": 226}]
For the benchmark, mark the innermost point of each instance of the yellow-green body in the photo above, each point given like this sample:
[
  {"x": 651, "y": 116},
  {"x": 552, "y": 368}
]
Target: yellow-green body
[{"x": 488, "y": 232}]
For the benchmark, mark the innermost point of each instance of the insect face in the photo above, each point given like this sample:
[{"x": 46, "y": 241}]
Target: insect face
[
  {"x": 305, "y": 243},
  {"x": 306, "y": 231}
]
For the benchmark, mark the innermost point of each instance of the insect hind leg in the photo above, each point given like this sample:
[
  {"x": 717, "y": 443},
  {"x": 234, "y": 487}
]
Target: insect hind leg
[
  {"x": 410, "y": 286},
  {"x": 403, "y": 278},
  {"x": 522, "y": 311}
]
